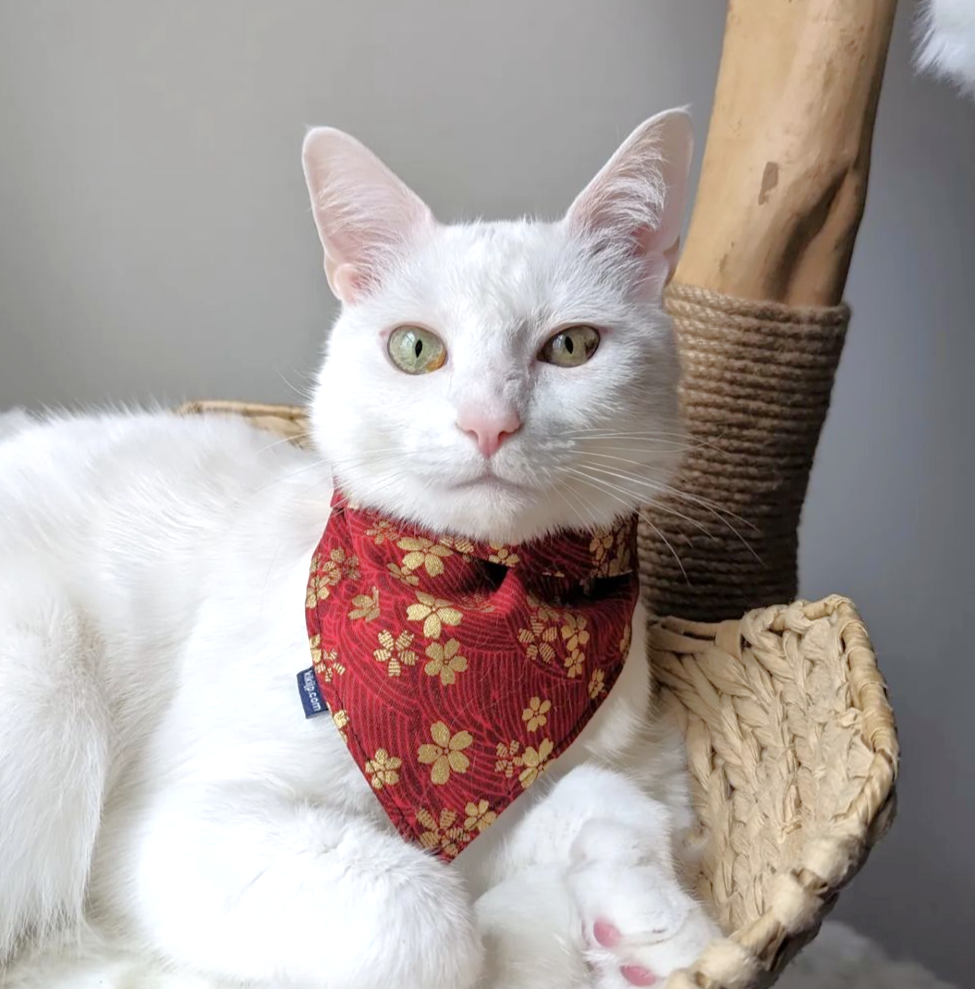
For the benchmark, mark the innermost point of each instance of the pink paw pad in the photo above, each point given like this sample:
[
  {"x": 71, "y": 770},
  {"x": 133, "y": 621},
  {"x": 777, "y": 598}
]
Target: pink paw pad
[
  {"x": 605, "y": 934},
  {"x": 637, "y": 975}
]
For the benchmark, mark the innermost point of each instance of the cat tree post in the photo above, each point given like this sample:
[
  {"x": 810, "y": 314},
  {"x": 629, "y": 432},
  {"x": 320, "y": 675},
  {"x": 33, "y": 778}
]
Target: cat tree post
[{"x": 757, "y": 296}]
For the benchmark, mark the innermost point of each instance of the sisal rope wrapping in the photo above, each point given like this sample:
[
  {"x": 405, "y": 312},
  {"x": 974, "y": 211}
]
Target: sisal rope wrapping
[{"x": 756, "y": 384}]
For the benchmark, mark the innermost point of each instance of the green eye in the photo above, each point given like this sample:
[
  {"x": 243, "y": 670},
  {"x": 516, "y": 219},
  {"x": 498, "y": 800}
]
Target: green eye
[
  {"x": 416, "y": 350},
  {"x": 570, "y": 347}
]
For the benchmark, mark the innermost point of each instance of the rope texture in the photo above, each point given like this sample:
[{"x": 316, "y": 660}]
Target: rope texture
[{"x": 755, "y": 390}]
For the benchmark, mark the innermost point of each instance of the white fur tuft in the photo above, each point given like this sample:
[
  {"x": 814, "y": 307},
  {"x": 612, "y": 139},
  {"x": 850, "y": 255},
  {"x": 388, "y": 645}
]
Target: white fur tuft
[
  {"x": 947, "y": 41},
  {"x": 13, "y": 422}
]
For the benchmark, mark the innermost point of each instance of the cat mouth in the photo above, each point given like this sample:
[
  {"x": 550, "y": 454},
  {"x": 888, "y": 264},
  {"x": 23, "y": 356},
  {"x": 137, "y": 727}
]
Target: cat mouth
[{"x": 489, "y": 481}]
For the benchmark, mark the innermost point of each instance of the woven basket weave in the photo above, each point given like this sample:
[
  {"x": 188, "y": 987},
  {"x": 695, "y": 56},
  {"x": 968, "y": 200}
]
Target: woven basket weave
[{"x": 792, "y": 752}]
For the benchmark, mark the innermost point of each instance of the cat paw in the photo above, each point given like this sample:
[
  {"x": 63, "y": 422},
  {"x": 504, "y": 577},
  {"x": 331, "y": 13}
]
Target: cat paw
[{"x": 637, "y": 923}]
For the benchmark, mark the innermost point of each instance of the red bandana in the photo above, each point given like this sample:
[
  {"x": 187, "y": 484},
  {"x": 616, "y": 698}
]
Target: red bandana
[{"x": 456, "y": 671}]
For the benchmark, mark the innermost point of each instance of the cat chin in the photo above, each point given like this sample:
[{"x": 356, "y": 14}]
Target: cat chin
[{"x": 486, "y": 512}]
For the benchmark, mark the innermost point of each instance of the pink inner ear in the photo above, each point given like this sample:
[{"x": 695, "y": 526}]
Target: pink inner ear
[
  {"x": 658, "y": 260},
  {"x": 638, "y": 196},
  {"x": 348, "y": 283},
  {"x": 649, "y": 240}
]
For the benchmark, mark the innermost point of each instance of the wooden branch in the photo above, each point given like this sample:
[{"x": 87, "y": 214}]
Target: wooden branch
[{"x": 785, "y": 168}]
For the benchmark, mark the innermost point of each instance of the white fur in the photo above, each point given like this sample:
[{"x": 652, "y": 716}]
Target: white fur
[
  {"x": 948, "y": 41},
  {"x": 168, "y": 813}
]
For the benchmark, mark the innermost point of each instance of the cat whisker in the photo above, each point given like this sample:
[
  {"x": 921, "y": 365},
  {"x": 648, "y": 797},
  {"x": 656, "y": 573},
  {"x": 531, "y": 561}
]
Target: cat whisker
[
  {"x": 663, "y": 488},
  {"x": 601, "y": 451},
  {"x": 306, "y": 393},
  {"x": 722, "y": 514},
  {"x": 658, "y": 507},
  {"x": 586, "y": 505},
  {"x": 676, "y": 436},
  {"x": 299, "y": 437},
  {"x": 605, "y": 488},
  {"x": 315, "y": 465},
  {"x": 624, "y": 460},
  {"x": 691, "y": 499}
]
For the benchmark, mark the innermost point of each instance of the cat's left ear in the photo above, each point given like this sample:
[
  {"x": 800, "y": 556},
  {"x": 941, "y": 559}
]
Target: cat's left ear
[
  {"x": 639, "y": 195},
  {"x": 366, "y": 216}
]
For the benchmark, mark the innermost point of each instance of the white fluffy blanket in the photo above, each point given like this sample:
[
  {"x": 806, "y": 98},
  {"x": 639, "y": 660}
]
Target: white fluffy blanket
[{"x": 838, "y": 959}]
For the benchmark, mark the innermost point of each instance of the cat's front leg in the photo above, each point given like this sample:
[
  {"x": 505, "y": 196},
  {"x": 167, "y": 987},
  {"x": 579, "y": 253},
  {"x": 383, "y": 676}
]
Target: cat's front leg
[{"x": 245, "y": 885}]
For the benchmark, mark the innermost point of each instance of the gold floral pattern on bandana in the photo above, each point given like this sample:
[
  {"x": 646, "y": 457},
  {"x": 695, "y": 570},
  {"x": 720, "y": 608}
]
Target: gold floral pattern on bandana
[
  {"x": 443, "y": 832},
  {"x": 395, "y": 651},
  {"x": 459, "y": 545},
  {"x": 538, "y": 642},
  {"x": 366, "y": 606},
  {"x": 574, "y": 664},
  {"x": 601, "y": 545},
  {"x": 327, "y": 573},
  {"x": 381, "y": 531},
  {"x": 479, "y": 816},
  {"x": 542, "y": 631},
  {"x": 341, "y": 721},
  {"x": 626, "y": 641},
  {"x": 534, "y": 762},
  {"x": 597, "y": 683},
  {"x": 545, "y": 612},
  {"x": 382, "y": 769},
  {"x": 324, "y": 661},
  {"x": 576, "y": 637},
  {"x": 535, "y": 713},
  {"x": 315, "y": 645},
  {"x": 574, "y": 631},
  {"x": 446, "y": 754},
  {"x": 424, "y": 553},
  {"x": 345, "y": 564},
  {"x": 503, "y": 555},
  {"x": 403, "y": 576},
  {"x": 434, "y": 613},
  {"x": 319, "y": 587},
  {"x": 611, "y": 552},
  {"x": 508, "y": 758},
  {"x": 445, "y": 661}
]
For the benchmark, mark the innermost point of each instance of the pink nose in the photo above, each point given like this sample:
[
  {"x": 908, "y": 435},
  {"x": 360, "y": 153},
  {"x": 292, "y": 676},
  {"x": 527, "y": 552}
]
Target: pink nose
[{"x": 489, "y": 430}]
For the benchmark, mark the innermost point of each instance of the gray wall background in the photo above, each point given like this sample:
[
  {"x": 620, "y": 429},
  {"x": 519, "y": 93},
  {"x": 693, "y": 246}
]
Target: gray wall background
[{"x": 155, "y": 242}]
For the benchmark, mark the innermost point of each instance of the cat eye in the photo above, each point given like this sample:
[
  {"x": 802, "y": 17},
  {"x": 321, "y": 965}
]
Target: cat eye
[
  {"x": 416, "y": 350},
  {"x": 570, "y": 347}
]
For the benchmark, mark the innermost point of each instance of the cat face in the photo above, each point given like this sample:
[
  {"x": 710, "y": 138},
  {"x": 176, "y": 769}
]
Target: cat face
[{"x": 501, "y": 380}]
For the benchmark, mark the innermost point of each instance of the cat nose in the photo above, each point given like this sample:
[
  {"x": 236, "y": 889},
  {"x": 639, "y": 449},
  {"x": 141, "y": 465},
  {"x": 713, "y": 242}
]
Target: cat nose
[{"x": 488, "y": 430}]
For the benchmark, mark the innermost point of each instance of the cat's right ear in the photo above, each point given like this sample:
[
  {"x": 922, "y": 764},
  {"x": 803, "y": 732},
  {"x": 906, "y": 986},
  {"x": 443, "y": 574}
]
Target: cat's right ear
[{"x": 365, "y": 215}]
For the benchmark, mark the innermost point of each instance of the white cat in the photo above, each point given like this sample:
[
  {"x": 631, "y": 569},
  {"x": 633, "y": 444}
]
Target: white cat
[{"x": 164, "y": 801}]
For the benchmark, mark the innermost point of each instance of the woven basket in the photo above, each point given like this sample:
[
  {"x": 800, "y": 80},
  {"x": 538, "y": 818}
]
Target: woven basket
[{"x": 792, "y": 752}]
